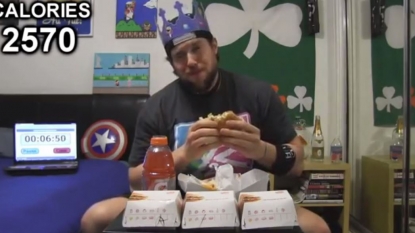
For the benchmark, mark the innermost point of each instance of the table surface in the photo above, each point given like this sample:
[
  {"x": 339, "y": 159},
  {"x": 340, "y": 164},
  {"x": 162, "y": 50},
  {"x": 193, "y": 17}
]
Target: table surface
[
  {"x": 56, "y": 203},
  {"x": 116, "y": 227}
]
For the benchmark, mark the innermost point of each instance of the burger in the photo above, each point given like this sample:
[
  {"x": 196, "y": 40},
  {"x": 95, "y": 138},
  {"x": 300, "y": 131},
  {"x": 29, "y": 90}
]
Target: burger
[
  {"x": 249, "y": 198},
  {"x": 137, "y": 197},
  {"x": 222, "y": 118},
  {"x": 191, "y": 197},
  {"x": 246, "y": 198}
]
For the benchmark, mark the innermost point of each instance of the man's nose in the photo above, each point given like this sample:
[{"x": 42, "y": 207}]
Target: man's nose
[{"x": 191, "y": 61}]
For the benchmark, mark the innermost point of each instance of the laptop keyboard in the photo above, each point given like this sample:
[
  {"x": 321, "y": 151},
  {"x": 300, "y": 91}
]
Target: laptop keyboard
[{"x": 44, "y": 166}]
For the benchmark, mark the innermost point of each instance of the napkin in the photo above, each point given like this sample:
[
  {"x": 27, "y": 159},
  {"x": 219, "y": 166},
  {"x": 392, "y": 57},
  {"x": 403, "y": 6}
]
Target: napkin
[{"x": 226, "y": 180}]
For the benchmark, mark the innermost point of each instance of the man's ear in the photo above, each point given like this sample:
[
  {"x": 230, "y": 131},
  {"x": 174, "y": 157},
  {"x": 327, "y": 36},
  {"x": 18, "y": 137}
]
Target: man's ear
[
  {"x": 169, "y": 60},
  {"x": 215, "y": 45}
]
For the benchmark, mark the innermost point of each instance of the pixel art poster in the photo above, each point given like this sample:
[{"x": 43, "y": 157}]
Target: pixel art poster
[
  {"x": 136, "y": 19},
  {"x": 121, "y": 73}
]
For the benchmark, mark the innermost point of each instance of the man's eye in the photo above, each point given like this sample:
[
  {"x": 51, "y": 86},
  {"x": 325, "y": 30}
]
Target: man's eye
[
  {"x": 195, "y": 49},
  {"x": 179, "y": 56}
]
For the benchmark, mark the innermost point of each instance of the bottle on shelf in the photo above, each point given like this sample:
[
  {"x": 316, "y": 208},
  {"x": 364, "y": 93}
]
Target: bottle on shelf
[
  {"x": 304, "y": 134},
  {"x": 317, "y": 142},
  {"x": 158, "y": 166},
  {"x": 336, "y": 151},
  {"x": 396, "y": 148}
]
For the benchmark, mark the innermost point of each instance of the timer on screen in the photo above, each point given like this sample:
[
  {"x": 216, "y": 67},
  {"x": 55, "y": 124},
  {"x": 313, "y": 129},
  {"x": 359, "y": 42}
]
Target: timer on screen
[{"x": 46, "y": 139}]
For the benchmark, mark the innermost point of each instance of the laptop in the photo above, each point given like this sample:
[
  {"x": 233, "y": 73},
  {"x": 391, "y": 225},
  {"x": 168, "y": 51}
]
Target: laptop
[{"x": 44, "y": 148}]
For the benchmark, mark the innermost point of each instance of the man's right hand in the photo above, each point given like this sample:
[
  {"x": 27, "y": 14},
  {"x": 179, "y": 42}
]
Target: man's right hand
[{"x": 202, "y": 137}]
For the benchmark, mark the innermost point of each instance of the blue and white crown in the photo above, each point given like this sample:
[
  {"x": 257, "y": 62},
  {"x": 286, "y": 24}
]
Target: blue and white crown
[{"x": 184, "y": 24}]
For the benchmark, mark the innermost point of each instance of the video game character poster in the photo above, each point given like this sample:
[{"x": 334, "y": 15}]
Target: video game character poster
[
  {"x": 121, "y": 73},
  {"x": 84, "y": 27},
  {"x": 136, "y": 19}
]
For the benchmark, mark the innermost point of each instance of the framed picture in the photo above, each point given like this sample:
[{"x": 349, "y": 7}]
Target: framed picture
[
  {"x": 83, "y": 26},
  {"x": 136, "y": 19},
  {"x": 9, "y": 22},
  {"x": 121, "y": 73}
]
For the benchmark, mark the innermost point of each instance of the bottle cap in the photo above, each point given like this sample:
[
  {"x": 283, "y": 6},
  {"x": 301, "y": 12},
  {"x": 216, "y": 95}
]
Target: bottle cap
[{"x": 159, "y": 141}]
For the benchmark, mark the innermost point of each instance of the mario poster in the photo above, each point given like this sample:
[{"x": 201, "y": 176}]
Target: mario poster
[{"x": 136, "y": 19}]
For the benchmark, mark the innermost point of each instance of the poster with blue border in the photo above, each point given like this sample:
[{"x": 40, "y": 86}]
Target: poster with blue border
[
  {"x": 83, "y": 26},
  {"x": 9, "y": 21}
]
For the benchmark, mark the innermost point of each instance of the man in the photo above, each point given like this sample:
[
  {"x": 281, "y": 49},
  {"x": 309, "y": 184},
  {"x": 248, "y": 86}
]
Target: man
[{"x": 265, "y": 140}]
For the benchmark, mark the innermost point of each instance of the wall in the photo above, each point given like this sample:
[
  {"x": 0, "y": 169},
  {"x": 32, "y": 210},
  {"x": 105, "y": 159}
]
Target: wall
[
  {"x": 365, "y": 138},
  {"x": 55, "y": 73}
]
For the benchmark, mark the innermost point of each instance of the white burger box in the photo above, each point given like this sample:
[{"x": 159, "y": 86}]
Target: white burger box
[
  {"x": 153, "y": 209},
  {"x": 226, "y": 180},
  {"x": 210, "y": 209},
  {"x": 268, "y": 209}
]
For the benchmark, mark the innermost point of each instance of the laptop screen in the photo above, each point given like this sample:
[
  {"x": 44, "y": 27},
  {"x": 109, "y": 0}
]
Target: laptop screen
[{"x": 43, "y": 142}]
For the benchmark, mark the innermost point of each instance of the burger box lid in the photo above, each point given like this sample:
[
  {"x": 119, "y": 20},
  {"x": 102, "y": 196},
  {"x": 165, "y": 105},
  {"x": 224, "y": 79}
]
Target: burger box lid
[
  {"x": 153, "y": 209},
  {"x": 253, "y": 180},
  {"x": 268, "y": 209},
  {"x": 210, "y": 209}
]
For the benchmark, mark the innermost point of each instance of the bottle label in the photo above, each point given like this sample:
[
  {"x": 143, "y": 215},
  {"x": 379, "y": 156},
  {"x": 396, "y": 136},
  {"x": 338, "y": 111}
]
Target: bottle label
[
  {"x": 317, "y": 153},
  {"x": 336, "y": 153},
  {"x": 160, "y": 184},
  {"x": 396, "y": 152}
]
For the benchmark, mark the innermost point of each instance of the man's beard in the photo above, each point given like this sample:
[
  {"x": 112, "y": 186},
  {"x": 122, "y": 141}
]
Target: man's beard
[{"x": 207, "y": 83}]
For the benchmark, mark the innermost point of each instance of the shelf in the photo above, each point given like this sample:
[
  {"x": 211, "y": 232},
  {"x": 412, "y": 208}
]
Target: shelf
[
  {"x": 329, "y": 167},
  {"x": 412, "y": 202},
  {"x": 377, "y": 192},
  {"x": 325, "y": 165},
  {"x": 321, "y": 204},
  {"x": 396, "y": 165}
]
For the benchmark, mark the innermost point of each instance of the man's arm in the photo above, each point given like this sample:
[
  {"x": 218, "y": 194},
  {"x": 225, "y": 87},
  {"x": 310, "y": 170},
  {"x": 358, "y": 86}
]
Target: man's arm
[
  {"x": 268, "y": 159},
  {"x": 277, "y": 130}
]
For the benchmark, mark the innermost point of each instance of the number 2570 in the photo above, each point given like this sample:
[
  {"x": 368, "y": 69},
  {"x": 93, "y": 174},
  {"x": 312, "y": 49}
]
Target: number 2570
[{"x": 26, "y": 39}]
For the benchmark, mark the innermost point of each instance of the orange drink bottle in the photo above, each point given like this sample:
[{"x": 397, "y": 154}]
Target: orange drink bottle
[{"x": 159, "y": 172}]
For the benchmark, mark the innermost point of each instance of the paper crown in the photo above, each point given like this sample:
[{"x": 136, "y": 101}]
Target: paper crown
[{"x": 183, "y": 25}]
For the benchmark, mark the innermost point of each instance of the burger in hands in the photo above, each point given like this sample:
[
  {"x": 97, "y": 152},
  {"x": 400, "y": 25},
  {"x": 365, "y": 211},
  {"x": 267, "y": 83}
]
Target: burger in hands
[{"x": 222, "y": 118}]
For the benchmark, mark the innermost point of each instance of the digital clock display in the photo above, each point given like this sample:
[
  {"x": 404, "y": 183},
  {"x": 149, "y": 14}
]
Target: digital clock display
[
  {"x": 45, "y": 138},
  {"x": 45, "y": 142}
]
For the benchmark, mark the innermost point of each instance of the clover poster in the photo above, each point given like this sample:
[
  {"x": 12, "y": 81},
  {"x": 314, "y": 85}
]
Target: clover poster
[
  {"x": 387, "y": 67},
  {"x": 268, "y": 40},
  {"x": 136, "y": 19}
]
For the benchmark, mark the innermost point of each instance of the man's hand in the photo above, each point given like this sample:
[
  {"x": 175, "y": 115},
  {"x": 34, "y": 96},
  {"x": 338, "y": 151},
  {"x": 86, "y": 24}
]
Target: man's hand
[
  {"x": 202, "y": 137},
  {"x": 244, "y": 138}
]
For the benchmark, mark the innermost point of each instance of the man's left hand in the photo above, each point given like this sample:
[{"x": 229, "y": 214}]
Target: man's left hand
[{"x": 244, "y": 138}]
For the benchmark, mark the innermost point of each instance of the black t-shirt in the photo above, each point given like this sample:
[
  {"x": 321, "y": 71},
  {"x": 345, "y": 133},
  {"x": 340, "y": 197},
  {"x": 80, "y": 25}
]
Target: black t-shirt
[{"x": 173, "y": 109}]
